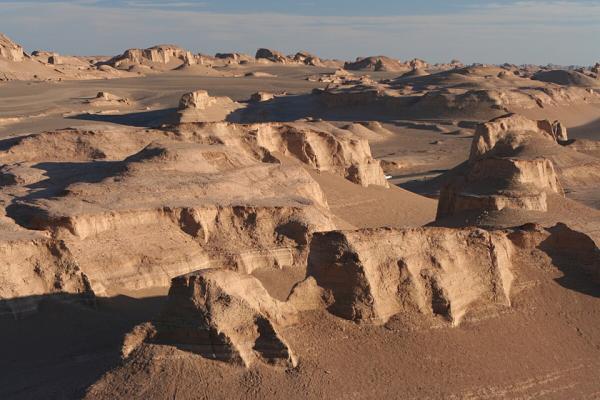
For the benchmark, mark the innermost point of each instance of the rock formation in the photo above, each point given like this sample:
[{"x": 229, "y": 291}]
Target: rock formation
[
  {"x": 197, "y": 227},
  {"x": 9, "y": 50},
  {"x": 503, "y": 135},
  {"x": 307, "y": 58},
  {"x": 160, "y": 56},
  {"x": 320, "y": 146},
  {"x": 104, "y": 99},
  {"x": 566, "y": 78},
  {"x": 271, "y": 55},
  {"x": 227, "y": 316},
  {"x": 375, "y": 274},
  {"x": 261, "y": 96},
  {"x": 376, "y": 63},
  {"x": 32, "y": 267},
  {"x": 515, "y": 164},
  {"x": 198, "y": 106}
]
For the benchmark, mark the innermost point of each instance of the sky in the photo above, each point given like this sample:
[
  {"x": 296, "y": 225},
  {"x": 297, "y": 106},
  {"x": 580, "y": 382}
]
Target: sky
[{"x": 565, "y": 32}]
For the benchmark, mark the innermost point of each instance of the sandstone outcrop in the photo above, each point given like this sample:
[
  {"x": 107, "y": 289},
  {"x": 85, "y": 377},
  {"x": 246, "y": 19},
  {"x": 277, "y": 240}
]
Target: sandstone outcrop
[
  {"x": 503, "y": 135},
  {"x": 267, "y": 223},
  {"x": 494, "y": 184},
  {"x": 375, "y": 274},
  {"x": 571, "y": 250},
  {"x": 515, "y": 164},
  {"x": 272, "y": 55},
  {"x": 33, "y": 267},
  {"x": 376, "y": 63},
  {"x": 318, "y": 145},
  {"x": 104, "y": 99},
  {"x": 199, "y": 106},
  {"x": 307, "y": 58},
  {"x": 9, "y": 50},
  {"x": 227, "y": 316},
  {"x": 474, "y": 92},
  {"x": 164, "y": 56},
  {"x": 261, "y": 96}
]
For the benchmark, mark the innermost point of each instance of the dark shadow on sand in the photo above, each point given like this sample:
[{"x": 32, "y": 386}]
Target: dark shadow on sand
[
  {"x": 147, "y": 119},
  {"x": 59, "y": 176},
  {"x": 58, "y": 351},
  {"x": 579, "y": 264}
]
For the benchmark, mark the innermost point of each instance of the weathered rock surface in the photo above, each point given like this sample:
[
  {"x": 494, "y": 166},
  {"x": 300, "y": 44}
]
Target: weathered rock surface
[
  {"x": 319, "y": 145},
  {"x": 227, "y": 316},
  {"x": 272, "y": 55},
  {"x": 9, "y": 50},
  {"x": 32, "y": 267},
  {"x": 232, "y": 204},
  {"x": 375, "y": 274},
  {"x": 376, "y": 63},
  {"x": 475, "y": 92},
  {"x": 494, "y": 184},
  {"x": 164, "y": 56},
  {"x": 503, "y": 135},
  {"x": 199, "y": 106},
  {"x": 515, "y": 164}
]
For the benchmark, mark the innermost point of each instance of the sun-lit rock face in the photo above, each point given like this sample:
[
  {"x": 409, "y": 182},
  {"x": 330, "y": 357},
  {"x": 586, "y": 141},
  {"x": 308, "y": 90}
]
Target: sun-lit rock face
[
  {"x": 272, "y": 55},
  {"x": 161, "y": 56},
  {"x": 502, "y": 136},
  {"x": 9, "y": 50},
  {"x": 374, "y": 274},
  {"x": 228, "y": 316}
]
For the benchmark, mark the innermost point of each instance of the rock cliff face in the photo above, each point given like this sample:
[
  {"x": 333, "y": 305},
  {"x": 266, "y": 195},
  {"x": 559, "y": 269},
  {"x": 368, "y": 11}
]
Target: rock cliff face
[
  {"x": 198, "y": 106},
  {"x": 375, "y": 274},
  {"x": 160, "y": 55},
  {"x": 227, "y": 316},
  {"x": 9, "y": 50},
  {"x": 319, "y": 145},
  {"x": 34, "y": 266},
  {"x": 267, "y": 223}
]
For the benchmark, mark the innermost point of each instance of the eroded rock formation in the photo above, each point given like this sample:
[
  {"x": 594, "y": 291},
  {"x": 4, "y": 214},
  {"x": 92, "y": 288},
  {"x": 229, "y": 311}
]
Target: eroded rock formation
[
  {"x": 9, "y": 50},
  {"x": 227, "y": 316},
  {"x": 375, "y": 274},
  {"x": 199, "y": 106}
]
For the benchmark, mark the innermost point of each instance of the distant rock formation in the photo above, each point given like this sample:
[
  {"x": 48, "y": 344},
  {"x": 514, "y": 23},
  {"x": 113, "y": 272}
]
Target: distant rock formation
[
  {"x": 566, "y": 78},
  {"x": 165, "y": 55},
  {"x": 199, "y": 106},
  {"x": 377, "y": 63},
  {"x": 272, "y": 55},
  {"x": 307, "y": 58},
  {"x": 261, "y": 96},
  {"x": 104, "y": 99},
  {"x": 508, "y": 132}
]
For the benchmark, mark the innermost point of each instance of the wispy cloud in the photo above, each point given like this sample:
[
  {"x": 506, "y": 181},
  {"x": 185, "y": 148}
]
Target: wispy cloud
[{"x": 526, "y": 31}]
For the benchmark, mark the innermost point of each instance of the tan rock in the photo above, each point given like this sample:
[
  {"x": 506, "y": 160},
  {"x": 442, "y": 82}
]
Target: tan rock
[
  {"x": 375, "y": 274},
  {"x": 228, "y": 316},
  {"x": 9, "y": 50}
]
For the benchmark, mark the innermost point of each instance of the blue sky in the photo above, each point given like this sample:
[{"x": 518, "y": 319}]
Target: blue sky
[{"x": 562, "y": 32}]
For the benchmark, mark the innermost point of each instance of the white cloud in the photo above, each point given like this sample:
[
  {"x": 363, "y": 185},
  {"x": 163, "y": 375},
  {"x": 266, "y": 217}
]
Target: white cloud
[{"x": 528, "y": 31}]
